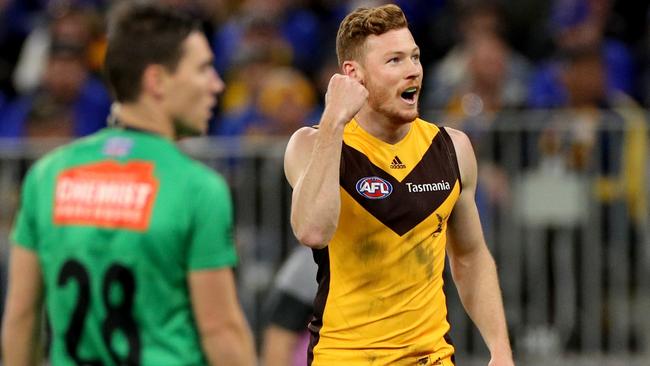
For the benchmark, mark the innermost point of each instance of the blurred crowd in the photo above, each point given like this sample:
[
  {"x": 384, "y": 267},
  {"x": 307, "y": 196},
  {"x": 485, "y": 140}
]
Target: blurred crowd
[
  {"x": 584, "y": 63},
  {"x": 583, "y": 66},
  {"x": 276, "y": 56}
]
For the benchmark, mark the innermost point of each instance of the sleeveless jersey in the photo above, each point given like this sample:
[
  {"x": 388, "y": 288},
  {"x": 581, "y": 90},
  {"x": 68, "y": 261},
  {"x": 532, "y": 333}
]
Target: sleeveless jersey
[
  {"x": 117, "y": 220},
  {"x": 380, "y": 299}
]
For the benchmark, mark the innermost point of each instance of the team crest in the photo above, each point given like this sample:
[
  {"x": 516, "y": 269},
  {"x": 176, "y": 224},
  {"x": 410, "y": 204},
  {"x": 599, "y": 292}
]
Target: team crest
[
  {"x": 374, "y": 188},
  {"x": 118, "y": 146}
]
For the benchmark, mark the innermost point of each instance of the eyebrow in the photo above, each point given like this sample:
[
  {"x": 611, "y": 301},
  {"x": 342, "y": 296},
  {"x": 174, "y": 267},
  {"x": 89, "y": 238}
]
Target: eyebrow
[{"x": 391, "y": 53}]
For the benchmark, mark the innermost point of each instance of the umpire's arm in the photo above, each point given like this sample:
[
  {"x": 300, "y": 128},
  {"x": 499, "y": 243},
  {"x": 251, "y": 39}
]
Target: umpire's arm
[
  {"x": 22, "y": 319},
  {"x": 224, "y": 332}
]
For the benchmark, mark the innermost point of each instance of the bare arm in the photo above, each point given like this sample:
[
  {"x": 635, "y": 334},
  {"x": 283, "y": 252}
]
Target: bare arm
[
  {"x": 279, "y": 346},
  {"x": 473, "y": 268},
  {"x": 312, "y": 161},
  {"x": 22, "y": 320},
  {"x": 225, "y": 335}
]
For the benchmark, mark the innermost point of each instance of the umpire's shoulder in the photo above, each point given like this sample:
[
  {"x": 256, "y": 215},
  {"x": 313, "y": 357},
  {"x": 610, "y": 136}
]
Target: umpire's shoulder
[
  {"x": 61, "y": 156},
  {"x": 202, "y": 177}
]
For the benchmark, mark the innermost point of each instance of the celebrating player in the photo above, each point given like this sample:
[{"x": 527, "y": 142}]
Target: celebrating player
[{"x": 376, "y": 193}]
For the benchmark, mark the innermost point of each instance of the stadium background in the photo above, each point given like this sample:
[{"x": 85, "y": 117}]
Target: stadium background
[{"x": 553, "y": 94}]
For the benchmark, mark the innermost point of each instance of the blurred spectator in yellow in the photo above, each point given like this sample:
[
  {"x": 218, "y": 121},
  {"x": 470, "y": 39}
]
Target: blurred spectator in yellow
[
  {"x": 583, "y": 191},
  {"x": 285, "y": 100},
  {"x": 260, "y": 50},
  {"x": 293, "y": 22},
  {"x": 601, "y": 134}
]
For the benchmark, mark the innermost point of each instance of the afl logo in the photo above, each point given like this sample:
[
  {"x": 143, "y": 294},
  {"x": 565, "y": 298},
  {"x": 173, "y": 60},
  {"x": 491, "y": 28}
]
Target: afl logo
[{"x": 374, "y": 188}]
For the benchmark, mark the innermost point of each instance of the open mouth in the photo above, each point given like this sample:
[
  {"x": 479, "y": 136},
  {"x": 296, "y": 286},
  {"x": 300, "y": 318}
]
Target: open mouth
[{"x": 409, "y": 94}]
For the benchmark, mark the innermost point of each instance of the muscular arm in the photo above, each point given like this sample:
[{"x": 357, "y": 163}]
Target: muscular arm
[
  {"x": 312, "y": 162},
  {"x": 279, "y": 346},
  {"x": 472, "y": 266},
  {"x": 225, "y": 335},
  {"x": 22, "y": 320}
]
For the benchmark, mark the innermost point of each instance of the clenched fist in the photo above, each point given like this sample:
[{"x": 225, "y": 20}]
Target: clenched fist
[{"x": 344, "y": 98}]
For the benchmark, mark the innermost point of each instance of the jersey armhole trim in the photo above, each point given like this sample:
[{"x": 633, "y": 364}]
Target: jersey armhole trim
[{"x": 453, "y": 158}]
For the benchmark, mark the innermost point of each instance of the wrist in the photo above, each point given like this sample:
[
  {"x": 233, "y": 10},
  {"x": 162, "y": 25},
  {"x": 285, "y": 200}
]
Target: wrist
[
  {"x": 501, "y": 351},
  {"x": 334, "y": 118},
  {"x": 330, "y": 130}
]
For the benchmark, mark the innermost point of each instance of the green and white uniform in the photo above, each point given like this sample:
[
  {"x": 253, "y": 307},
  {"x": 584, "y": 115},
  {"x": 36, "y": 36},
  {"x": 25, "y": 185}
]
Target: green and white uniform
[{"x": 118, "y": 220}]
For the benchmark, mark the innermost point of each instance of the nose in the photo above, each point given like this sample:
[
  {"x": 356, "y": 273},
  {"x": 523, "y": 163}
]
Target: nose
[
  {"x": 216, "y": 85},
  {"x": 415, "y": 69}
]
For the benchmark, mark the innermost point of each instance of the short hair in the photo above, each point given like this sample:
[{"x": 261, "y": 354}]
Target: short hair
[
  {"x": 363, "y": 22},
  {"x": 141, "y": 34}
]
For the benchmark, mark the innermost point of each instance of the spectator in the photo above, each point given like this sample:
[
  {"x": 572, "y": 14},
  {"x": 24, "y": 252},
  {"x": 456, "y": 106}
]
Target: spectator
[
  {"x": 294, "y": 25},
  {"x": 594, "y": 142},
  {"x": 575, "y": 133},
  {"x": 481, "y": 27},
  {"x": 68, "y": 24},
  {"x": 16, "y": 21},
  {"x": 261, "y": 49},
  {"x": 287, "y": 101},
  {"x": 579, "y": 24},
  {"x": 489, "y": 83},
  {"x": 592, "y": 150},
  {"x": 284, "y": 102},
  {"x": 492, "y": 84},
  {"x": 68, "y": 103}
]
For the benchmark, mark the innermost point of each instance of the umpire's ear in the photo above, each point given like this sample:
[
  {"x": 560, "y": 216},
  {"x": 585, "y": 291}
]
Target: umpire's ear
[{"x": 153, "y": 80}]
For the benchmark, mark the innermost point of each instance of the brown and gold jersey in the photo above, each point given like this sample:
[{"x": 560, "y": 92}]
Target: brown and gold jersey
[{"x": 380, "y": 299}]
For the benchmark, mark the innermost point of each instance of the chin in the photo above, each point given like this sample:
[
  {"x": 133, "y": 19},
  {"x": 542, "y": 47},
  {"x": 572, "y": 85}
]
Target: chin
[{"x": 406, "y": 116}]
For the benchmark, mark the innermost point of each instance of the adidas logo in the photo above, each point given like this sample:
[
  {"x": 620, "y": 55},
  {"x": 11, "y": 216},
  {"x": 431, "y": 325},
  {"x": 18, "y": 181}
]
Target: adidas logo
[{"x": 397, "y": 164}]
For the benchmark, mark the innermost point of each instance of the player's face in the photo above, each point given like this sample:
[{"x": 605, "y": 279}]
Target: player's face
[
  {"x": 193, "y": 87},
  {"x": 393, "y": 74}
]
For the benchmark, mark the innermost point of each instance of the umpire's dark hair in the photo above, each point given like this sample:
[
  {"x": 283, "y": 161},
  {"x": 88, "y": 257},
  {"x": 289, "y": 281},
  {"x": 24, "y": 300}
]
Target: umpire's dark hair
[{"x": 141, "y": 34}]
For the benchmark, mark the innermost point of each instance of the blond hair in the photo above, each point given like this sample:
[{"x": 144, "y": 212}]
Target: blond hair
[{"x": 363, "y": 22}]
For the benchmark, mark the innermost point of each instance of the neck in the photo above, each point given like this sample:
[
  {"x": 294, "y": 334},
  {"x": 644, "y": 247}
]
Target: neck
[
  {"x": 381, "y": 126},
  {"x": 146, "y": 116}
]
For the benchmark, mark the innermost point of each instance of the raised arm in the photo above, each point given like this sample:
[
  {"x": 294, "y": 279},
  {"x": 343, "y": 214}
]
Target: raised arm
[
  {"x": 223, "y": 329},
  {"x": 473, "y": 268},
  {"x": 22, "y": 320},
  {"x": 312, "y": 161}
]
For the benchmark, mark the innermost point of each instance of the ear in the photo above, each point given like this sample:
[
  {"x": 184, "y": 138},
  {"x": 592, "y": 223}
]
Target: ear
[
  {"x": 153, "y": 80},
  {"x": 354, "y": 70}
]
